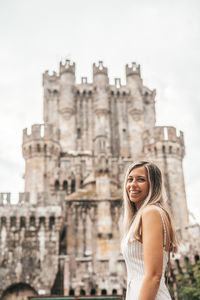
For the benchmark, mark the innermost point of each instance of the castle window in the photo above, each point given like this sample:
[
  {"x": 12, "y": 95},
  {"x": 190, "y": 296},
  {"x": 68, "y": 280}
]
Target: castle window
[
  {"x": 13, "y": 221},
  {"x": 32, "y": 221},
  {"x": 30, "y": 149},
  {"x": 124, "y": 134},
  {"x": 114, "y": 292},
  {"x": 42, "y": 221},
  {"x": 38, "y": 147},
  {"x": 78, "y": 133},
  {"x": 22, "y": 222},
  {"x": 71, "y": 292},
  {"x": 3, "y": 221},
  {"x": 196, "y": 258},
  {"x": 57, "y": 185},
  {"x": 51, "y": 222},
  {"x": 82, "y": 292},
  {"x": 73, "y": 185},
  {"x": 104, "y": 292},
  {"x": 65, "y": 185},
  {"x": 93, "y": 292}
]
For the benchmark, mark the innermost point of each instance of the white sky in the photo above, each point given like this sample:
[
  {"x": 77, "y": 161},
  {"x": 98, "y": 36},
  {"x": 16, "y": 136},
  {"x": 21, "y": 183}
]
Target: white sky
[{"x": 162, "y": 36}]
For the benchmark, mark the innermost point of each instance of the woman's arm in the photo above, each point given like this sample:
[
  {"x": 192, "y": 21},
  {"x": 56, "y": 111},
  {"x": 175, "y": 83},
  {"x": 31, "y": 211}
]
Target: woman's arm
[{"x": 152, "y": 238}]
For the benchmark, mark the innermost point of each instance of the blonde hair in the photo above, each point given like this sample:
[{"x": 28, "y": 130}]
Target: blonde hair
[{"x": 156, "y": 196}]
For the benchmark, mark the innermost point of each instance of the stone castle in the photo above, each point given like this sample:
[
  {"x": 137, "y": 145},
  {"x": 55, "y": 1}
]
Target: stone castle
[{"x": 63, "y": 236}]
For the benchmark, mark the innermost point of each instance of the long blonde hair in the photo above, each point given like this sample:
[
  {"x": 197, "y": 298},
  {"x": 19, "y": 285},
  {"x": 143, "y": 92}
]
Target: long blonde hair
[{"x": 156, "y": 196}]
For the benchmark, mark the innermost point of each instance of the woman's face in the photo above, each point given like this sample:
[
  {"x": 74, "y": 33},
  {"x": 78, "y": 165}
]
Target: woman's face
[{"x": 137, "y": 186}]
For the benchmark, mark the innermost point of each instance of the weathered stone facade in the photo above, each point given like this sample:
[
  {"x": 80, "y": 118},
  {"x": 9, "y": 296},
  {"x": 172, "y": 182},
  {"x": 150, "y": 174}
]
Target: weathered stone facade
[{"x": 64, "y": 234}]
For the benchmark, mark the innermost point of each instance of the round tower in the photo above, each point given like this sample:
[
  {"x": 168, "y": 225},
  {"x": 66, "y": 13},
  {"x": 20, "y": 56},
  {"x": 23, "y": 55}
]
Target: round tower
[
  {"x": 51, "y": 98},
  {"x": 67, "y": 106},
  {"x": 101, "y": 105},
  {"x": 135, "y": 109},
  {"x": 166, "y": 148},
  {"x": 41, "y": 151}
]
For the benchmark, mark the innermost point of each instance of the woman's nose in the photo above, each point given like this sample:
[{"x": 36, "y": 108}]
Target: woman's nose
[{"x": 133, "y": 183}]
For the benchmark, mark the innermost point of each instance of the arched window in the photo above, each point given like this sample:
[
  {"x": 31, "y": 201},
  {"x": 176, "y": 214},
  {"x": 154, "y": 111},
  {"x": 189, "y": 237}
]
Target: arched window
[
  {"x": 78, "y": 133},
  {"x": 163, "y": 149},
  {"x": 42, "y": 221},
  {"x": 81, "y": 183},
  {"x": 51, "y": 222},
  {"x": 114, "y": 292},
  {"x": 73, "y": 186},
  {"x": 30, "y": 149},
  {"x": 3, "y": 221},
  {"x": 71, "y": 292},
  {"x": 65, "y": 185},
  {"x": 22, "y": 222},
  {"x": 45, "y": 148},
  {"x": 13, "y": 221},
  {"x": 38, "y": 147},
  {"x": 82, "y": 292},
  {"x": 57, "y": 185},
  {"x": 170, "y": 149},
  {"x": 104, "y": 292},
  {"x": 93, "y": 292},
  {"x": 32, "y": 221}
]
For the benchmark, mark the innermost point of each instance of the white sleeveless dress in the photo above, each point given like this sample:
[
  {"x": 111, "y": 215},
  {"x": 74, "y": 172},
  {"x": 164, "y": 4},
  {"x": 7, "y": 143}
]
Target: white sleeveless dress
[{"x": 133, "y": 256}]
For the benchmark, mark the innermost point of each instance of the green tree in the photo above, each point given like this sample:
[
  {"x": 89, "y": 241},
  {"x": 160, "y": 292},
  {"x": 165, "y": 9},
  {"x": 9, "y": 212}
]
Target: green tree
[{"x": 188, "y": 282}]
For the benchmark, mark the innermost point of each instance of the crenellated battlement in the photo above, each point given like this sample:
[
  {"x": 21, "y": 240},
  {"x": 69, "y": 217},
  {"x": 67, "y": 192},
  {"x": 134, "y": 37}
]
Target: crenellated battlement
[
  {"x": 99, "y": 69},
  {"x": 41, "y": 131},
  {"x": 47, "y": 77},
  {"x": 67, "y": 67},
  {"x": 21, "y": 199},
  {"x": 133, "y": 69},
  {"x": 164, "y": 139}
]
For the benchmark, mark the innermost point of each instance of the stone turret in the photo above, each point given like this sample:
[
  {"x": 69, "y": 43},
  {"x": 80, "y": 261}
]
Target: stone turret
[
  {"x": 135, "y": 108},
  {"x": 51, "y": 98},
  {"x": 166, "y": 148},
  {"x": 39, "y": 148},
  {"x": 67, "y": 106}
]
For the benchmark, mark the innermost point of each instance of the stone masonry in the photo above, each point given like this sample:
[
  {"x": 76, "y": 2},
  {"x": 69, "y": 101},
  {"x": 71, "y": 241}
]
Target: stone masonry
[{"x": 63, "y": 236}]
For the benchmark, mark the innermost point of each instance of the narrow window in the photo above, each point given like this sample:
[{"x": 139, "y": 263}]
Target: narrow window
[
  {"x": 32, "y": 221},
  {"x": 51, "y": 222},
  {"x": 78, "y": 133},
  {"x": 22, "y": 222},
  {"x": 57, "y": 185},
  {"x": 12, "y": 221},
  {"x": 65, "y": 185},
  {"x": 73, "y": 185},
  {"x": 38, "y": 147}
]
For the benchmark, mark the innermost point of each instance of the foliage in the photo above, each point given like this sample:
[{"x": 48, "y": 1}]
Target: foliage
[{"x": 188, "y": 282}]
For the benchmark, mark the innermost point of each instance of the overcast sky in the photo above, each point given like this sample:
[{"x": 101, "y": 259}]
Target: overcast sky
[{"x": 162, "y": 36}]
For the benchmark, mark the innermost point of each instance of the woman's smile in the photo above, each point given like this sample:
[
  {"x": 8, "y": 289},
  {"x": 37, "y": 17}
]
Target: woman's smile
[{"x": 137, "y": 186}]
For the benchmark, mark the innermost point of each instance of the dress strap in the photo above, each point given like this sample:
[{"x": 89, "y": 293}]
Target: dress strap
[{"x": 165, "y": 228}]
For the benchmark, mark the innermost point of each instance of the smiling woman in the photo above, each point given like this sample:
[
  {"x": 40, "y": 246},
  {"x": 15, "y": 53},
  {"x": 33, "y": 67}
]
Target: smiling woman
[{"x": 149, "y": 234}]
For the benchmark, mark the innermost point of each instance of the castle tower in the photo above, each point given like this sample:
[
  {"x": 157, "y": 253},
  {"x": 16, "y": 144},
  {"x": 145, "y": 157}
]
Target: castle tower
[
  {"x": 67, "y": 107},
  {"x": 41, "y": 151},
  {"x": 51, "y": 98},
  {"x": 166, "y": 148},
  {"x": 135, "y": 109}
]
